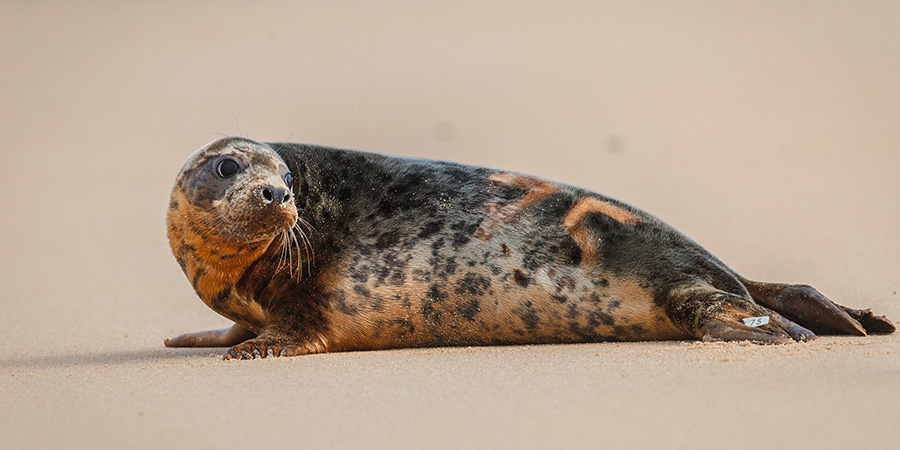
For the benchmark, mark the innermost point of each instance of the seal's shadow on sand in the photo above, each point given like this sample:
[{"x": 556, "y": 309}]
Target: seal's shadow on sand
[{"x": 89, "y": 359}]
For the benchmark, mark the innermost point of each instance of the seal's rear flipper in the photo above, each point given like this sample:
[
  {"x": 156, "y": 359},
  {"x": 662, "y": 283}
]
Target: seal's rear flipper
[
  {"x": 871, "y": 322},
  {"x": 711, "y": 314},
  {"x": 225, "y": 337},
  {"x": 813, "y": 310},
  {"x": 728, "y": 331}
]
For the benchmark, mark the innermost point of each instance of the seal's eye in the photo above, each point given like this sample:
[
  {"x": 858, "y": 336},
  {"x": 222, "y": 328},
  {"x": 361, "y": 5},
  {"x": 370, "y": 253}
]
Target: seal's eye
[
  {"x": 288, "y": 179},
  {"x": 227, "y": 168}
]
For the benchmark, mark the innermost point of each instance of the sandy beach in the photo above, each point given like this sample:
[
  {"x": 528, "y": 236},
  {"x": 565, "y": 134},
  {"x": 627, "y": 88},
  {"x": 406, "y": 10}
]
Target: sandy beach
[{"x": 767, "y": 131}]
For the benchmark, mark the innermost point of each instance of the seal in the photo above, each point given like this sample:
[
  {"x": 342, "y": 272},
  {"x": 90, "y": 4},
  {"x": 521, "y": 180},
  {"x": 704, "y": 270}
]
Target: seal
[{"x": 311, "y": 249}]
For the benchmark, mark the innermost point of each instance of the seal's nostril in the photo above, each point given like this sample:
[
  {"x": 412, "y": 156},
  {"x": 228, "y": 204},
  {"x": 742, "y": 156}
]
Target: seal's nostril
[
  {"x": 267, "y": 194},
  {"x": 287, "y": 197}
]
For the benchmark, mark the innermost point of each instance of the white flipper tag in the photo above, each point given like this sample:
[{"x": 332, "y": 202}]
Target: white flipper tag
[{"x": 755, "y": 321}]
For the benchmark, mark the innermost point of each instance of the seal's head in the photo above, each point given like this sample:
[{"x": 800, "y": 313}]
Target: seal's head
[
  {"x": 229, "y": 201},
  {"x": 238, "y": 190}
]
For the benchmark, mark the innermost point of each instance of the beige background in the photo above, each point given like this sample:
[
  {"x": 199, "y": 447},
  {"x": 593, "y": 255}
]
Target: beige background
[{"x": 766, "y": 130}]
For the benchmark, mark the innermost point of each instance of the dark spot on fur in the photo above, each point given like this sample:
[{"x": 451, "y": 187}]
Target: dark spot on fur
[
  {"x": 436, "y": 245},
  {"x": 378, "y": 304},
  {"x": 532, "y": 259},
  {"x": 386, "y": 240},
  {"x": 450, "y": 267},
  {"x": 398, "y": 277},
  {"x": 469, "y": 310},
  {"x": 603, "y": 282},
  {"x": 381, "y": 274},
  {"x": 567, "y": 282},
  {"x": 572, "y": 311},
  {"x": 430, "y": 229},
  {"x": 637, "y": 331},
  {"x": 529, "y": 316},
  {"x": 598, "y": 317},
  {"x": 560, "y": 298},
  {"x": 360, "y": 272},
  {"x": 462, "y": 233},
  {"x": 404, "y": 326},
  {"x": 197, "y": 274},
  {"x": 361, "y": 290},
  {"x": 435, "y": 293},
  {"x": 504, "y": 249},
  {"x": 472, "y": 284},
  {"x": 218, "y": 301},
  {"x": 420, "y": 275},
  {"x": 340, "y": 302},
  {"x": 521, "y": 279},
  {"x": 434, "y": 296}
]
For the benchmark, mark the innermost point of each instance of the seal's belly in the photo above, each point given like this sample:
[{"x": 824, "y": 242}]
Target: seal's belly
[{"x": 483, "y": 294}]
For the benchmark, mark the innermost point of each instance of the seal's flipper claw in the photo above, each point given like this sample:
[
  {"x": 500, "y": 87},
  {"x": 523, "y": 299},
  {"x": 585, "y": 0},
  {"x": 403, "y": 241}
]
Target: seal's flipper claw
[
  {"x": 871, "y": 322},
  {"x": 810, "y": 308},
  {"x": 225, "y": 337},
  {"x": 261, "y": 347},
  {"x": 797, "y": 332},
  {"x": 717, "y": 330}
]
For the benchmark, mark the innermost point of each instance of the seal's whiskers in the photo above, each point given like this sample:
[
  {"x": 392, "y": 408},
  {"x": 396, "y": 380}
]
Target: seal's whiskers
[
  {"x": 307, "y": 245},
  {"x": 294, "y": 241},
  {"x": 282, "y": 251}
]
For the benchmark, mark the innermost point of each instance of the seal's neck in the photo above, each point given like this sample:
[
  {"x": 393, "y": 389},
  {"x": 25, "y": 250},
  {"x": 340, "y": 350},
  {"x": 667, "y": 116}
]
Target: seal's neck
[{"x": 212, "y": 265}]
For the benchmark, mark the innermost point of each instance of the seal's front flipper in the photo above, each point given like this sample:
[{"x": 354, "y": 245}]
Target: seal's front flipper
[
  {"x": 225, "y": 337},
  {"x": 815, "y": 311},
  {"x": 263, "y": 347},
  {"x": 281, "y": 336},
  {"x": 714, "y": 315}
]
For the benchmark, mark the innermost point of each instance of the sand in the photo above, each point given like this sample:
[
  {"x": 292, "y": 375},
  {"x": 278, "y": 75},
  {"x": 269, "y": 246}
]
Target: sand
[{"x": 767, "y": 131}]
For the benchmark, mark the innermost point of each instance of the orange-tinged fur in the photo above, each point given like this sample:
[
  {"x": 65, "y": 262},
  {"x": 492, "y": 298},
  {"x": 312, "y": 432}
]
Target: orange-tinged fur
[
  {"x": 408, "y": 261},
  {"x": 399, "y": 322},
  {"x": 589, "y": 205},
  {"x": 213, "y": 265},
  {"x": 537, "y": 190},
  {"x": 583, "y": 235}
]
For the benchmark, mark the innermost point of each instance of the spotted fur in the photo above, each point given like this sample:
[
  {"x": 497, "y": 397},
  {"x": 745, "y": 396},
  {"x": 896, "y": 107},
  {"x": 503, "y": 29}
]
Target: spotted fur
[{"x": 413, "y": 252}]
